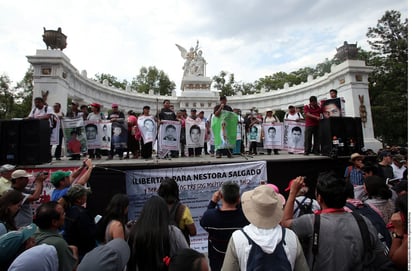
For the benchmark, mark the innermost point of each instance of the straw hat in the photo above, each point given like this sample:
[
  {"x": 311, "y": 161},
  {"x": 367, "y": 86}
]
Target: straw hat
[{"x": 262, "y": 207}]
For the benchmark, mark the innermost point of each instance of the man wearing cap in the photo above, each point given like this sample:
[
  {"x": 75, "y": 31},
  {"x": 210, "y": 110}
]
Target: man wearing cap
[
  {"x": 398, "y": 166},
  {"x": 5, "y": 177},
  {"x": 50, "y": 218},
  {"x": 354, "y": 173},
  {"x": 63, "y": 180},
  {"x": 19, "y": 181},
  {"x": 13, "y": 243},
  {"x": 384, "y": 166},
  {"x": 221, "y": 222},
  {"x": 263, "y": 208},
  {"x": 74, "y": 110},
  {"x": 340, "y": 245},
  {"x": 79, "y": 226}
]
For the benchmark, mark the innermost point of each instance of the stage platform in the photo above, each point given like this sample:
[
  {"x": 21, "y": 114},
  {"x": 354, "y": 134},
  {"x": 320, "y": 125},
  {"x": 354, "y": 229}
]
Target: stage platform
[{"x": 108, "y": 176}]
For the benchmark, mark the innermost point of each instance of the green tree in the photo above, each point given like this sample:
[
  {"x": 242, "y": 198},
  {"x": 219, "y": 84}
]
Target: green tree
[
  {"x": 113, "y": 81},
  {"x": 152, "y": 78},
  {"x": 6, "y": 98},
  {"x": 225, "y": 83},
  {"x": 388, "y": 83}
]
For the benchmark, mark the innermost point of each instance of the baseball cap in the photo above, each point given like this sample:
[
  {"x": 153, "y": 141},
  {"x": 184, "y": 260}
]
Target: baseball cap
[
  {"x": 59, "y": 175},
  {"x": 113, "y": 256},
  {"x": 399, "y": 158},
  {"x": 20, "y": 173},
  {"x": 193, "y": 110},
  {"x": 6, "y": 167},
  {"x": 11, "y": 242},
  {"x": 95, "y": 105},
  {"x": 75, "y": 103},
  {"x": 115, "y": 105}
]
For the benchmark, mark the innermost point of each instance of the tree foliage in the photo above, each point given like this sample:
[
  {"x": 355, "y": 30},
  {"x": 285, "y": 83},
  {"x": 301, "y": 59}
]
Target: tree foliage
[
  {"x": 388, "y": 83},
  {"x": 112, "y": 80},
  {"x": 152, "y": 78}
]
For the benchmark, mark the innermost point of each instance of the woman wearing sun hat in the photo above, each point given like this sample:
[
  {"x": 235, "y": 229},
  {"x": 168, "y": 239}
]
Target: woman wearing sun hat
[{"x": 263, "y": 208}]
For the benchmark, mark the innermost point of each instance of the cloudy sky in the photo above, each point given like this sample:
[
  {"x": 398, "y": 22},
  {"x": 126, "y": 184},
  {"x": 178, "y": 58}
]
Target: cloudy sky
[{"x": 250, "y": 38}]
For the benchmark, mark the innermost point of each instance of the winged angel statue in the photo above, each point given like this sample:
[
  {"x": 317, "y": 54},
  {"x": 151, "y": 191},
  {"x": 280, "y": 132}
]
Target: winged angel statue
[{"x": 195, "y": 64}]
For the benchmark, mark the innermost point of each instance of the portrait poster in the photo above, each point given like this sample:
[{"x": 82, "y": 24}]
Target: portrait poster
[
  {"x": 224, "y": 130},
  {"x": 195, "y": 133},
  {"x": 75, "y": 135},
  {"x": 255, "y": 133},
  {"x": 294, "y": 136},
  {"x": 333, "y": 107},
  {"x": 119, "y": 135},
  {"x": 93, "y": 137},
  {"x": 272, "y": 135},
  {"x": 169, "y": 135},
  {"x": 105, "y": 132},
  {"x": 148, "y": 128}
]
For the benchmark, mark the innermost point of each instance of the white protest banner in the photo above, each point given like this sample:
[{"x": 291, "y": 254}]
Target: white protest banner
[
  {"x": 75, "y": 135},
  {"x": 273, "y": 135},
  {"x": 196, "y": 187},
  {"x": 294, "y": 136},
  {"x": 147, "y": 128},
  {"x": 169, "y": 135},
  {"x": 195, "y": 133}
]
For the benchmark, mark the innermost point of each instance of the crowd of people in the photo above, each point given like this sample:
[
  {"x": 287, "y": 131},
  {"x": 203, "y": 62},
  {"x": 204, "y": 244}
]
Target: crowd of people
[
  {"x": 250, "y": 135},
  {"x": 357, "y": 219}
]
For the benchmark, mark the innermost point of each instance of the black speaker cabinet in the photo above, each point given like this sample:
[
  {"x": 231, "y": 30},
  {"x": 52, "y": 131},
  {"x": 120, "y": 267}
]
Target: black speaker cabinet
[
  {"x": 34, "y": 142},
  {"x": 25, "y": 142},
  {"x": 341, "y": 136},
  {"x": 9, "y": 142}
]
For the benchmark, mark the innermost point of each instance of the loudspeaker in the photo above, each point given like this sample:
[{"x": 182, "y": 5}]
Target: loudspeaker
[
  {"x": 9, "y": 142},
  {"x": 34, "y": 142},
  {"x": 347, "y": 133}
]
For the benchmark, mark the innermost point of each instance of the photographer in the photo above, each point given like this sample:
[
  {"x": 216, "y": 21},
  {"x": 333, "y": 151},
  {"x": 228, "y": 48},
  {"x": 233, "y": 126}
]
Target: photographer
[
  {"x": 19, "y": 181},
  {"x": 63, "y": 180}
]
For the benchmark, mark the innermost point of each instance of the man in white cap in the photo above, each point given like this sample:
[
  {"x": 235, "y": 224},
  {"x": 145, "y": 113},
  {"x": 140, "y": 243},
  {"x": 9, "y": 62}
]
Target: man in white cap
[
  {"x": 264, "y": 237},
  {"x": 5, "y": 177},
  {"x": 19, "y": 181}
]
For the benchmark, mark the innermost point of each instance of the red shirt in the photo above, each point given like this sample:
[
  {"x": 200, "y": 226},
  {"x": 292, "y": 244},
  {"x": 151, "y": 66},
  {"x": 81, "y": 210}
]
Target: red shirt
[
  {"x": 74, "y": 146},
  {"x": 314, "y": 110}
]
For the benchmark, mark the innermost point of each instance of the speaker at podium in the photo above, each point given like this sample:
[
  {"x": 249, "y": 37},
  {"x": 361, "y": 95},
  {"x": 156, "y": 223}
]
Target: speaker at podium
[
  {"x": 25, "y": 142},
  {"x": 341, "y": 136}
]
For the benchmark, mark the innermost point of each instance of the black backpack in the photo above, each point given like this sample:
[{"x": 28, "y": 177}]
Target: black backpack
[
  {"x": 258, "y": 260},
  {"x": 303, "y": 207}
]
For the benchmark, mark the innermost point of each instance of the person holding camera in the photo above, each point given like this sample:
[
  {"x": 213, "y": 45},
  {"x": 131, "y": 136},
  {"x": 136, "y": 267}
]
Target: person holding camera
[
  {"x": 19, "y": 181},
  {"x": 63, "y": 180}
]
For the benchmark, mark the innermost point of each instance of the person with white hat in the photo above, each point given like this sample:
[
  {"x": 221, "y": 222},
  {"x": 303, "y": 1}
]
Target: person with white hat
[
  {"x": 5, "y": 177},
  {"x": 263, "y": 208},
  {"x": 19, "y": 181}
]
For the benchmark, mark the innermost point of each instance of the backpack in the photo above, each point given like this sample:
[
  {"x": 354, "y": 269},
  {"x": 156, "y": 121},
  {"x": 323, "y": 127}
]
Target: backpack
[
  {"x": 377, "y": 222},
  {"x": 175, "y": 215},
  {"x": 303, "y": 207},
  {"x": 52, "y": 119},
  {"x": 258, "y": 260}
]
